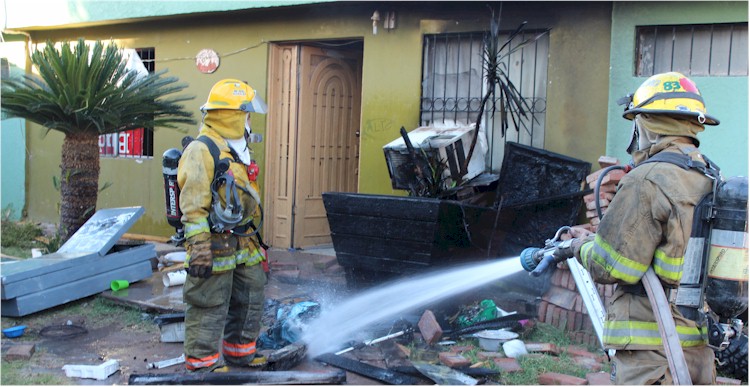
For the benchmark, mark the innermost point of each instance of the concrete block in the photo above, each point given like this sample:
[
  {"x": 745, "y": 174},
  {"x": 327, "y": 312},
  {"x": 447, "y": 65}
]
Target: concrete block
[
  {"x": 289, "y": 276},
  {"x": 556, "y": 379},
  {"x": 20, "y": 352},
  {"x": 453, "y": 360},
  {"x": 598, "y": 379},
  {"x": 429, "y": 328},
  {"x": 507, "y": 364}
]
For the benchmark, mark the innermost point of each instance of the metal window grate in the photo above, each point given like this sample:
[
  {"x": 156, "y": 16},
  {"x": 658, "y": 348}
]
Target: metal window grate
[
  {"x": 135, "y": 143},
  {"x": 453, "y": 86},
  {"x": 717, "y": 50}
]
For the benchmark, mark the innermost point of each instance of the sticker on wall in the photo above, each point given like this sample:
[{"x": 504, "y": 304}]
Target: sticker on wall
[{"x": 207, "y": 61}]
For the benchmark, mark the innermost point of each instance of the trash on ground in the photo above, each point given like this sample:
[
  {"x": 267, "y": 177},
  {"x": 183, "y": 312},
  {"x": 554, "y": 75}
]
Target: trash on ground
[
  {"x": 172, "y": 327},
  {"x": 13, "y": 332},
  {"x": 290, "y": 323},
  {"x": 443, "y": 375},
  {"x": 98, "y": 372},
  {"x": 490, "y": 340},
  {"x": 514, "y": 348},
  {"x": 168, "y": 362}
]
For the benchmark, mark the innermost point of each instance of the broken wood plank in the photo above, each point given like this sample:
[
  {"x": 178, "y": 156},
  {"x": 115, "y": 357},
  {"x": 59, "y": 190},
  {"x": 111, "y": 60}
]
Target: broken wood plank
[
  {"x": 366, "y": 370},
  {"x": 238, "y": 378}
]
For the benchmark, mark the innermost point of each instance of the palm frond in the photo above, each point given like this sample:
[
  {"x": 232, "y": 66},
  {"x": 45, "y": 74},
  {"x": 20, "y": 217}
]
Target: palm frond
[{"x": 88, "y": 88}]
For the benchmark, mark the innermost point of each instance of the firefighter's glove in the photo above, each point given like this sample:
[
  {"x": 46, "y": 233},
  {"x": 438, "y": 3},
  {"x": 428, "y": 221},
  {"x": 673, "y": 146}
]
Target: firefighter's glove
[
  {"x": 566, "y": 249},
  {"x": 201, "y": 260}
]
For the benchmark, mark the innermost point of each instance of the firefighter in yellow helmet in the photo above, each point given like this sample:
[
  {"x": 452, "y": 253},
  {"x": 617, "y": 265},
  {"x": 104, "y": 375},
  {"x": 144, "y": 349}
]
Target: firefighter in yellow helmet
[
  {"x": 648, "y": 224},
  {"x": 224, "y": 287}
]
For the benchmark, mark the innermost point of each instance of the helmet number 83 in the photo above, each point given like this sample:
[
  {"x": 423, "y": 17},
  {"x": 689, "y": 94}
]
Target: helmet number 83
[{"x": 673, "y": 85}]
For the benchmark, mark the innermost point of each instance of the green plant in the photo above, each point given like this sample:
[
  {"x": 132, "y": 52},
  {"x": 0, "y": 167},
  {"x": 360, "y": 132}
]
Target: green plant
[
  {"x": 431, "y": 183},
  {"x": 84, "y": 91},
  {"x": 17, "y": 373}
]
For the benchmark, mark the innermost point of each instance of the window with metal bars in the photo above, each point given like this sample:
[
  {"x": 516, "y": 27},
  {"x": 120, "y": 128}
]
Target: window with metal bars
[
  {"x": 453, "y": 84},
  {"x": 135, "y": 143},
  {"x": 716, "y": 50}
]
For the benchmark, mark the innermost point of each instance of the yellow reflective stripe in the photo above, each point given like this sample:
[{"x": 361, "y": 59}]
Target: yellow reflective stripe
[
  {"x": 668, "y": 267},
  {"x": 585, "y": 251},
  {"x": 192, "y": 229},
  {"x": 244, "y": 256},
  {"x": 616, "y": 264},
  {"x": 647, "y": 333}
]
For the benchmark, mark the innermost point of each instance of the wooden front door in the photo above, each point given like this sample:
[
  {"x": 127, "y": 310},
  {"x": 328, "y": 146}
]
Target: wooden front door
[{"x": 313, "y": 139}]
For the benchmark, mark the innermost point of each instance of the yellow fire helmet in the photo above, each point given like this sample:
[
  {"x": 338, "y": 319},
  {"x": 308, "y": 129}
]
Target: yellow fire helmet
[
  {"x": 670, "y": 94},
  {"x": 233, "y": 94}
]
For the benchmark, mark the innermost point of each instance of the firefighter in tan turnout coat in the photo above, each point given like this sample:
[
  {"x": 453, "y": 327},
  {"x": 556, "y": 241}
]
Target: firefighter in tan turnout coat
[{"x": 648, "y": 223}]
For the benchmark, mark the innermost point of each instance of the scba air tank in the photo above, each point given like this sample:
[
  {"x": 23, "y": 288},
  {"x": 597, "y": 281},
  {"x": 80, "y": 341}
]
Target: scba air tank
[
  {"x": 170, "y": 161},
  {"x": 727, "y": 270}
]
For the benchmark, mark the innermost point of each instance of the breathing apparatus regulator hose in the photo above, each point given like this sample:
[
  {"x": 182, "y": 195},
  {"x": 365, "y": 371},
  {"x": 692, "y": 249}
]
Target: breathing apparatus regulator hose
[{"x": 598, "y": 185}]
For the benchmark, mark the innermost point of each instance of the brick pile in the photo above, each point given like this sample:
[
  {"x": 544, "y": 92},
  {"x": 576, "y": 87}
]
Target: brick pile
[
  {"x": 607, "y": 189},
  {"x": 562, "y": 306}
]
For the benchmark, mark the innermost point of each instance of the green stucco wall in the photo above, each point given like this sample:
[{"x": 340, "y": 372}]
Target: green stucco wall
[
  {"x": 725, "y": 97},
  {"x": 391, "y": 83},
  {"x": 13, "y": 138}
]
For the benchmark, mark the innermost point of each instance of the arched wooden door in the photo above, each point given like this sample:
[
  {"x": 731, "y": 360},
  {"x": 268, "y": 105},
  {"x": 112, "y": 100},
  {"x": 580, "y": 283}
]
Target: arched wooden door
[{"x": 313, "y": 139}]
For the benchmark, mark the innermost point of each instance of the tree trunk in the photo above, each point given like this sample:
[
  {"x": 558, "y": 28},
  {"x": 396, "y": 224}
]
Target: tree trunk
[{"x": 79, "y": 181}]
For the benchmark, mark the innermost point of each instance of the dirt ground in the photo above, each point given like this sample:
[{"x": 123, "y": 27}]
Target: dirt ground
[{"x": 295, "y": 275}]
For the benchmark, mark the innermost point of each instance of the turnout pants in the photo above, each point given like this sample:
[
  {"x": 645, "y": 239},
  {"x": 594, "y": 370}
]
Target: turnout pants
[
  {"x": 223, "y": 314},
  {"x": 651, "y": 367}
]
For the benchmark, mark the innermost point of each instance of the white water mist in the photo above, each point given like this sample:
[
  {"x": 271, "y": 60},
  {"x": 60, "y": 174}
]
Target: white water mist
[{"x": 339, "y": 324}]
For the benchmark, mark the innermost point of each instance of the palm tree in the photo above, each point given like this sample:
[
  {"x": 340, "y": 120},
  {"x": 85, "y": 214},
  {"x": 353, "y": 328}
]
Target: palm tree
[{"x": 83, "y": 92}]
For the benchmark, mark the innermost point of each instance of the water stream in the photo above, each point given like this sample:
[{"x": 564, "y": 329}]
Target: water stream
[{"x": 341, "y": 323}]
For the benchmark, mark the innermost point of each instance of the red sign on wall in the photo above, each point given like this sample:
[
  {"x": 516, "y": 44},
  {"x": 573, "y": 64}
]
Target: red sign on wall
[{"x": 128, "y": 143}]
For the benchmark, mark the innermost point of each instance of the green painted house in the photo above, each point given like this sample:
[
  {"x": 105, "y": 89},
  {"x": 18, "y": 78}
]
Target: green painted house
[{"x": 341, "y": 79}]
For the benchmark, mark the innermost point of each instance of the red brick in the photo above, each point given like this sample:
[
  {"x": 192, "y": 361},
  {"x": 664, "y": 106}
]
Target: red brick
[
  {"x": 602, "y": 195},
  {"x": 20, "y": 352},
  {"x": 489, "y": 355},
  {"x": 556, "y": 277},
  {"x": 572, "y": 284},
  {"x": 564, "y": 279},
  {"x": 592, "y": 205},
  {"x": 542, "y": 310},
  {"x": 587, "y": 363},
  {"x": 507, "y": 364},
  {"x": 598, "y": 379},
  {"x": 542, "y": 347},
  {"x": 728, "y": 381},
  {"x": 429, "y": 328},
  {"x": 556, "y": 379},
  {"x": 607, "y": 161},
  {"x": 591, "y": 178},
  {"x": 578, "y": 323},
  {"x": 555, "y": 316},
  {"x": 571, "y": 320},
  {"x": 453, "y": 360},
  {"x": 550, "y": 312},
  {"x": 578, "y": 304},
  {"x": 461, "y": 348},
  {"x": 577, "y": 351}
]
